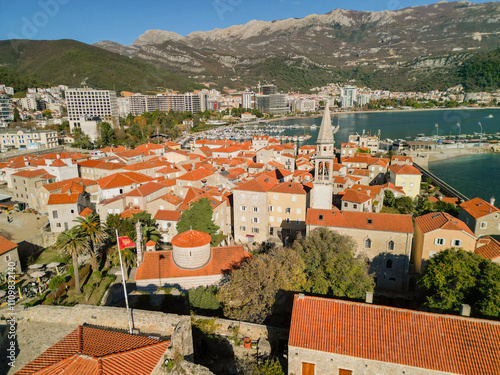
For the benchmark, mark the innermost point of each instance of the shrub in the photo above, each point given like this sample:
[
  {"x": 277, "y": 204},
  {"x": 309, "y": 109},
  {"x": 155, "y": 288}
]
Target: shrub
[
  {"x": 56, "y": 281},
  {"x": 204, "y": 298}
]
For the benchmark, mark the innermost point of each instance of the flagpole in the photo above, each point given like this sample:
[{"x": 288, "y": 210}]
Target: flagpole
[{"x": 124, "y": 284}]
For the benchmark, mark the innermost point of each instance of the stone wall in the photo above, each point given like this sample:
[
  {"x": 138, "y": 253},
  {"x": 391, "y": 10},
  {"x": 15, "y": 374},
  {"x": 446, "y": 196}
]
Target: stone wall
[
  {"x": 253, "y": 331},
  {"x": 35, "y": 245},
  {"x": 329, "y": 363},
  {"x": 155, "y": 323}
]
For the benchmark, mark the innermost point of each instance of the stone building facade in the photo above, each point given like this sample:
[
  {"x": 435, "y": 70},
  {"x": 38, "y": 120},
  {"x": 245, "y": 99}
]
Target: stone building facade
[{"x": 482, "y": 217}]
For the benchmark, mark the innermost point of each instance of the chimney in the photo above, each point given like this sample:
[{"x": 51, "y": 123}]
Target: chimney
[
  {"x": 440, "y": 198},
  {"x": 369, "y": 297},
  {"x": 464, "y": 310},
  {"x": 300, "y": 296},
  {"x": 492, "y": 201}
]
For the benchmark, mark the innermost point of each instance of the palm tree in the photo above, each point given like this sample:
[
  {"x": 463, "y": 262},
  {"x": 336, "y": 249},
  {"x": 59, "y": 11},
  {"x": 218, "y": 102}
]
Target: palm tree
[
  {"x": 73, "y": 242},
  {"x": 90, "y": 225},
  {"x": 150, "y": 233}
]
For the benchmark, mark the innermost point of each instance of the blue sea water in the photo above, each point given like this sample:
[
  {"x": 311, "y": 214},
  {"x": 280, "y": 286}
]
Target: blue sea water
[{"x": 474, "y": 176}]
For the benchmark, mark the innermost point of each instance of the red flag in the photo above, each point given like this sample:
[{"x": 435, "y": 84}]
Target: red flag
[{"x": 124, "y": 242}]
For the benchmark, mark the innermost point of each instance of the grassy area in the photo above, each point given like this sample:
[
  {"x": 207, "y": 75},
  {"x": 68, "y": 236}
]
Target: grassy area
[
  {"x": 50, "y": 255},
  {"x": 93, "y": 290}
]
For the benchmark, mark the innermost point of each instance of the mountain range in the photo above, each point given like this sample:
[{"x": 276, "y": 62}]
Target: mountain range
[{"x": 417, "y": 48}]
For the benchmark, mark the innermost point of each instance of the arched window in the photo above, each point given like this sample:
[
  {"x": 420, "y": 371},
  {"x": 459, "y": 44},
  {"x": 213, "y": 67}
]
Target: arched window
[
  {"x": 320, "y": 168},
  {"x": 368, "y": 243},
  {"x": 327, "y": 168},
  {"x": 390, "y": 245},
  {"x": 388, "y": 264}
]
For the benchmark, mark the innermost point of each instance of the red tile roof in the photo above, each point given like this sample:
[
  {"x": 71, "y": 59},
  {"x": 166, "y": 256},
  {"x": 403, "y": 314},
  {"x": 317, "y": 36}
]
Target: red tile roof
[
  {"x": 30, "y": 174},
  {"x": 262, "y": 183},
  {"x": 355, "y": 197},
  {"x": 121, "y": 179},
  {"x": 85, "y": 348},
  {"x": 58, "y": 163},
  {"x": 159, "y": 264},
  {"x": 289, "y": 188},
  {"x": 478, "y": 207},
  {"x": 129, "y": 214},
  {"x": 438, "y": 342},
  {"x": 63, "y": 198},
  {"x": 488, "y": 248},
  {"x": 169, "y": 215},
  {"x": 86, "y": 211},
  {"x": 404, "y": 169},
  {"x": 146, "y": 189},
  {"x": 451, "y": 200},
  {"x": 196, "y": 175},
  {"x": 360, "y": 220},
  {"x": 441, "y": 220},
  {"x": 6, "y": 245},
  {"x": 191, "y": 238}
]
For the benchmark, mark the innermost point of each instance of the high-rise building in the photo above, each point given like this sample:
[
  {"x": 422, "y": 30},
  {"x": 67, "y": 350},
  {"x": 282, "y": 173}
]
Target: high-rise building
[
  {"x": 248, "y": 99},
  {"x": 6, "y": 111},
  {"x": 348, "y": 96},
  {"x": 322, "y": 193},
  {"x": 83, "y": 102},
  {"x": 177, "y": 102},
  {"x": 274, "y": 103},
  {"x": 269, "y": 90}
]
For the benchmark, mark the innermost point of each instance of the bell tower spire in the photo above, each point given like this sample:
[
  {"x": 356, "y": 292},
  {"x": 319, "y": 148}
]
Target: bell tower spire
[{"x": 322, "y": 193}]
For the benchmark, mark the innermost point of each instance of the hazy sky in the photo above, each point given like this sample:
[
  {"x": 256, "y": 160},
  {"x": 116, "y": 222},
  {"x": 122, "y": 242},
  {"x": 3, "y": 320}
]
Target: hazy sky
[{"x": 123, "y": 21}]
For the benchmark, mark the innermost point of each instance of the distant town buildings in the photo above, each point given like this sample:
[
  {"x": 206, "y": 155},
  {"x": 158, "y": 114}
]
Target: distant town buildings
[
  {"x": 19, "y": 138},
  {"x": 6, "y": 111}
]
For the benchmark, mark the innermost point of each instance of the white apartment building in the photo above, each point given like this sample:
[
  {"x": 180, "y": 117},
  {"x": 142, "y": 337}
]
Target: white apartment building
[
  {"x": 248, "y": 99},
  {"x": 6, "y": 111},
  {"x": 27, "y": 138},
  {"x": 83, "y": 103}
]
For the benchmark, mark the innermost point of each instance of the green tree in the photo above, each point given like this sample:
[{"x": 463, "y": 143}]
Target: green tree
[
  {"x": 106, "y": 134},
  {"x": 404, "y": 205},
  {"x": 199, "y": 217},
  {"x": 47, "y": 113},
  {"x": 17, "y": 117},
  {"x": 331, "y": 267},
  {"x": 389, "y": 199},
  {"x": 90, "y": 225},
  {"x": 455, "y": 276},
  {"x": 204, "y": 298},
  {"x": 251, "y": 292},
  {"x": 269, "y": 367},
  {"x": 73, "y": 242}
]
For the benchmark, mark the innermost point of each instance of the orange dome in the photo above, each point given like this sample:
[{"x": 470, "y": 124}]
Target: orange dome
[{"x": 191, "y": 238}]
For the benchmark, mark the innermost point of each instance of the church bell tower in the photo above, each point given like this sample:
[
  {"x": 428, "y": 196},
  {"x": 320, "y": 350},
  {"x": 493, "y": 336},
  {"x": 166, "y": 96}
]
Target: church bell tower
[{"x": 322, "y": 193}]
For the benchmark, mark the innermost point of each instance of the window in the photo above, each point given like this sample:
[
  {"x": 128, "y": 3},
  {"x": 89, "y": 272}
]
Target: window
[
  {"x": 7, "y": 258},
  {"x": 432, "y": 253},
  {"x": 270, "y": 208},
  {"x": 288, "y": 210},
  {"x": 344, "y": 372},
  {"x": 299, "y": 211},
  {"x": 243, "y": 229},
  {"x": 254, "y": 197},
  {"x": 346, "y": 204},
  {"x": 439, "y": 241},
  {"x": 72, "y": 211},
  {"x": 110, "y": 211},
  {"x": 307, "y": 368},
  {"x": 255, "y": 230},
  {"x": 58, "y": 225},
  {"x": 243, "y": 218},
  {"x": 388, "y": 264},
  {"x": 294, "y": 198},
  {"x": 242, "y": 196},
  {"x": 288, "y": 220},
  {"x": 279, "y": 209},
  {"x": 55, "y": 215},
  {"x": 320, "y": 217},
  {"x": 456, "y": 243},
  {"x": 390, "y": 245},
  {"x": 370, "y": 221},
  {"x": 255, "y": 209},
  {"x": 355, "y": 205},
  {"x": 243, "y": 208},
  {"x": 271, "y": 218},
  {"x": 483, "y": 225},
  {"x": 275, "y": 196},
  {"x": 368, "y": 243},
  {"x": 255, "y": 220}
]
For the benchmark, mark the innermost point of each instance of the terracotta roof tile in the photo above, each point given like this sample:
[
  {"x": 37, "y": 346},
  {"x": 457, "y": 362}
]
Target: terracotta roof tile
[
  {"x": 351, "y": 195},
  {"x": 122, "y": 179},
  {"x": 159, "y": 264},
  {"x": 478, "y": 207},
  {"x": 441, "y": 220},
  {"x": 488, "y": 248},
  {"x": 86, "y": 211},
  {"x": 146, "y": 189},
  {"x": 191, "y": 238},
  {"x": 63, "y": 198},
  {"x": 360, "y": 220},
  {"x": 30, "y": 174},
  {"x": 6, "y": 245},
  {"x": 404, "y": 169},
  {"x": 169, "y": 215},
  {"x": 289, "y": 188},
  {"x": 129, "y": 214},
  {"x": 262, "y": 183},
  {"x": 438, "y": 342},
  {"x": 85, "y": 347}
]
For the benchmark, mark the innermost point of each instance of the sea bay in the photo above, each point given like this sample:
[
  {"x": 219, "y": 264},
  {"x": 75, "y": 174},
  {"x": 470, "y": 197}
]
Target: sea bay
[{"x": 473, "y": 175}]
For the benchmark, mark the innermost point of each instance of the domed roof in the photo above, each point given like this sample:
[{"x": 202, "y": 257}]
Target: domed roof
[{"x": 191, "y": 238}]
